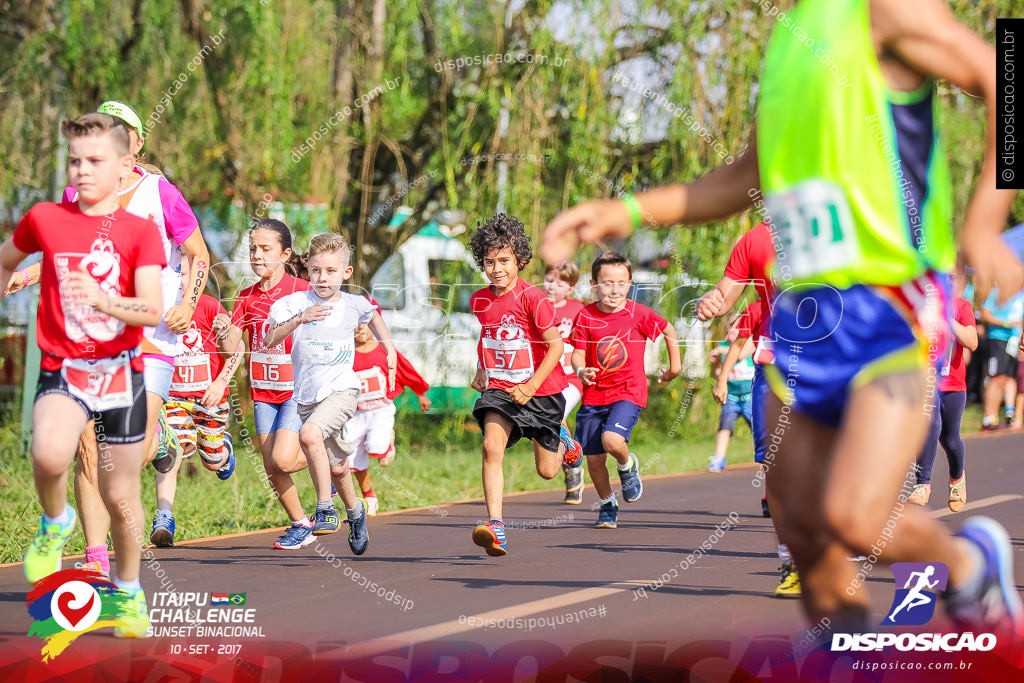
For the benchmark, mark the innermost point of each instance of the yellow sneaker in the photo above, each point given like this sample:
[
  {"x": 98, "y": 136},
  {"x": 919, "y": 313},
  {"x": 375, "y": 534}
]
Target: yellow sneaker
[
  {"x": 921, "y": 494},
  {"x": 789, "y": 583},
  {"x": 958, "y": 494},
  {"x": 43, "y": 556},
  {"x": 135, "y": 616}
]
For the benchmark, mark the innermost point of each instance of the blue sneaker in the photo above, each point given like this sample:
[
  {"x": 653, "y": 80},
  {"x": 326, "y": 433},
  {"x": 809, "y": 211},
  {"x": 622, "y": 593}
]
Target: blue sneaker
[
  {"x": 325, "y": 522},
  {"x": 296, "y": 536},
  {"x": 996, "y": 603},
  {"x": 358, "y": 536},
  {"x": 607, "y": 515},
  {"x": 717, "y": 463},
  {"x": 228, "y": 468},
  {"x": 573, "y": 454},
  {"x": 632, "y": 487},
  {"x": 491, "y": 537},
  {"x": 162, "y": 535}
]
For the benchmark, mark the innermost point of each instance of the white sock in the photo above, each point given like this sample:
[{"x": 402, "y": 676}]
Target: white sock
[
  {"x": 166, "y": 511},
  {"x": 623, "y": 468},
  {"x": 609, "y": 499},
  {"x": 127, "y": 585},
  {"x": 784, "y": 555},
  {"x": 301, "y": 522},
  {"x": 63, "y": 518}
]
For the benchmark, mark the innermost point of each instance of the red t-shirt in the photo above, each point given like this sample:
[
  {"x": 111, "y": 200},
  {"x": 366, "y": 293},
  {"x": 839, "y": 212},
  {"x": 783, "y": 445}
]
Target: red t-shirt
[
  {"x": 371, "y": 367},
  {"x": 954, "y": 370},
  {"x": 271, "y": 377},
  {"x": 753, "y": 322},
  {"x": 749, "y": 263},
  {"x": 512, "y": 345},
  {"x": 565, "y": 316},
  {"x": 112, "y": 247},
  {"x": 201, "y": 361},
  {"x": 615, "y": 344}
]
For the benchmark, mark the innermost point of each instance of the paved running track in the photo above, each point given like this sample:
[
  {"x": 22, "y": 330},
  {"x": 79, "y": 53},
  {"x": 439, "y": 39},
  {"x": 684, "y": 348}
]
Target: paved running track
[{"x": 424, "y": 598}]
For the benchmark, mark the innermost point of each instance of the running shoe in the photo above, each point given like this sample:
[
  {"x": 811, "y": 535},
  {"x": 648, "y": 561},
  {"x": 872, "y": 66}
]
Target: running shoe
[
  {"x": 358, "y": 536},
  {"x": 44, "y": 553},
  {"x": 573, "y": 485},
  {"x": 296, "y": 536},
  {"x": 573, "y": 455},
  {"x": 996, "y": 603},
  {"x": 632, "y": 487},
  {"x": 994, "y": 427},
  {"x": 789, "y": 583},
  {"x": 167, "y": 447},
  {"x": 765, "y": 512},
  {"x": 162, "y": 535},
  {"x": 372, "y": 505},
  {"x": 389, "y": 457},
  {"x": 921, "y": 494},
  {"x": 491, "y": 537},
  {"x": 958, "y": 494},
  {"x": 227, "y": 469},
  {"x": 325, "y": 522},
  {"x": 717, "y": 463},
  {"x": 135, "y": 615},
  {"x": 607, "y": 515}
]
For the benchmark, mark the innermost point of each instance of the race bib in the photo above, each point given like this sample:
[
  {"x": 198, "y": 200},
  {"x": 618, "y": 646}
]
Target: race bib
[
  {"x": 372, "y": 384},
  {"x": 764, "y": 353},
  {"x": 814, "y": 225},
  {"x": 1011, "y": 345},
  {"x": 191, "y": 373},
  {"x": 567, "y": 358},
  {"x": 104, "y": 384},
  {"x": 508, "y": 360},
  {"x": 271, "y": 371}
]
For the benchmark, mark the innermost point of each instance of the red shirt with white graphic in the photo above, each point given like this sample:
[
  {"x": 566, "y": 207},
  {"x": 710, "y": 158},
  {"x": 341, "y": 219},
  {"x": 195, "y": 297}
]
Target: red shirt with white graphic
[
  {"x": 512, "y": 345},
  {"x": 111, "y": 248},
  {"x": 371, "y": 368},
  {"x": 615, "y": 344},
  {"x": 271, "y": 376},
  {"x": 954, "y": 370},
  {"x": 749, "y": 263},
  {"x": 753, "y": 322},
  {"x": 565, "y": 316},
  {"x": 201, "y": 361}
]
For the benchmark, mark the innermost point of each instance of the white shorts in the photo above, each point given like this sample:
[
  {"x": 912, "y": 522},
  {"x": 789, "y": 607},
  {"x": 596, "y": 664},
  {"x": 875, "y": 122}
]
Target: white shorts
[
  {"x": 372, "y": 433},
  {"x": 572, "y": 398}
]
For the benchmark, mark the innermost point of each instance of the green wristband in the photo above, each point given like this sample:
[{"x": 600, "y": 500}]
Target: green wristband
[{"x": 636, "y": 213}]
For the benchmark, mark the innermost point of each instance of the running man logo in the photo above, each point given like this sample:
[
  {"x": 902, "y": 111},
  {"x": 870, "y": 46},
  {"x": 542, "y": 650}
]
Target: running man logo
[
  {"x": 914, "y": 603},
  {"x": 68, "y": 603}
]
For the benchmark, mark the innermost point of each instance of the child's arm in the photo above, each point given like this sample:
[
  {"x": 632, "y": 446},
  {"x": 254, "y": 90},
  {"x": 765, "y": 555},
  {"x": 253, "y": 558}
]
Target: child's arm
[
  {"x": 521, "y": 393},
  {"x": 26, "y": 277},
  {"x": 674, "y": 365},
  {"x": 579, "y": 366},
  {"x": 738, "y": 350},
  {"x": 215, "y": 391},
  {"x": 280, "y": 331},
  {"x": 141, "y": 310},
  {"x": 10, "y": 257},
  {"x": 380, "y": 330},
  {"x": 406, "y": 376},
  {"x": 197, "y": 256},
  {"x": 967, "y": 335},
  {"x": 479, "y": 382}
]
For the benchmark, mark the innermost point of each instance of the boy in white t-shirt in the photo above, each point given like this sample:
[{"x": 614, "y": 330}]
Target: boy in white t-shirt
[{"x": 322, "y": 324}]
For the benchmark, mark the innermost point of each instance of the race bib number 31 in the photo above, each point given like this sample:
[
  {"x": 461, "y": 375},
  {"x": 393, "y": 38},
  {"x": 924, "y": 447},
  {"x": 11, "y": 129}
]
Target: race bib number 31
[
  {"x": 104, "y": 384},
  {"x": 815, "y": 227},
  {"x": 508, "y": 360},
  {"x": 271, "y": 371}
]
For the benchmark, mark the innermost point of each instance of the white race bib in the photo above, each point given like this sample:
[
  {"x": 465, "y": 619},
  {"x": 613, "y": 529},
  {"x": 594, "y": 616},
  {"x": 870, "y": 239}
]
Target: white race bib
[
  {"x": 191, "y": 373},
  {"x": 104, "y": 384},
  {"x": 814, "y": 224},
  {"x": 567, "y": 357},
  {"x": 372, "y": 384},
  {"x": 741, "y": 372},
  {"x": 271, "y": 371},
  {"x": 763, "y": 354},
  {"x": 509, "y": 360},
  {"x": 1011, "y": 345}
]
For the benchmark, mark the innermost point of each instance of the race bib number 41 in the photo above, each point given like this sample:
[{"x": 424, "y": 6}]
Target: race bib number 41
[
  {"x": 508, "y": 360},
  {"x": 191, "y": 373},
  {"x": 814, "y": 225},
  {"x": 271, "y": 371}
]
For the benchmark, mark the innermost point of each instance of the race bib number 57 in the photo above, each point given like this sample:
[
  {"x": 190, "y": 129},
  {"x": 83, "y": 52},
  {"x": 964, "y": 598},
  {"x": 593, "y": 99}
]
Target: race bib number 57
[
  {"x": 508, "y": 360},
  {"x": 814, "y": 225}
]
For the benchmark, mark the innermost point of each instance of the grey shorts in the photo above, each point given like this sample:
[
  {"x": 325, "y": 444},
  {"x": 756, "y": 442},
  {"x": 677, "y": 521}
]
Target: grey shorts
[{"x": 330, "y": 415}]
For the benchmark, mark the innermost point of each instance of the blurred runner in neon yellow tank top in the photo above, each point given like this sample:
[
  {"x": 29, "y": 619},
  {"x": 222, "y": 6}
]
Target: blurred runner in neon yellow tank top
[{"x": 846, "y": 159}]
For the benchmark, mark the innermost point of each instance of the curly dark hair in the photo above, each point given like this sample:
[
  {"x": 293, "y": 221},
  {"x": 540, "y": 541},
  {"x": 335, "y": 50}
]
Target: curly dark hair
[{"x": 501, "y": 231}]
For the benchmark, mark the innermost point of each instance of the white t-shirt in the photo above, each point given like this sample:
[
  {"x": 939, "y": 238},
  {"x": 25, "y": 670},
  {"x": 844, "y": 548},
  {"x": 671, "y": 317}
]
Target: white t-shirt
[{"x": 323, "y": 351}]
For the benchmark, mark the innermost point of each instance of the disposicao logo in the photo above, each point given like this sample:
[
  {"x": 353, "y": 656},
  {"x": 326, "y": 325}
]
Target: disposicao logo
[{"x": 68, "y": 603}]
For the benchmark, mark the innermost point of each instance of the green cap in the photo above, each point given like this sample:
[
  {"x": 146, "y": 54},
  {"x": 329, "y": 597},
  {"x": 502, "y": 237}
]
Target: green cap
[{"x": 123, "y": 112}]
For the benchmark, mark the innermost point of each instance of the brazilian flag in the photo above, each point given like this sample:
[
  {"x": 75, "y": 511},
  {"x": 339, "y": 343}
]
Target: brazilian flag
[{"x": 237, "y": 598}]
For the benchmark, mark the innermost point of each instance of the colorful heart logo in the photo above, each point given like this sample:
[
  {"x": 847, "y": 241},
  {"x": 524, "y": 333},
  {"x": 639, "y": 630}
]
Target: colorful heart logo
[{"x": 74, "y": 614}]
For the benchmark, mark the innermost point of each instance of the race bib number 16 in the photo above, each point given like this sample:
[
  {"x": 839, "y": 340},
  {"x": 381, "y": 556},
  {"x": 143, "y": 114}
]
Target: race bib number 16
[{"x": 814, "y": 225}]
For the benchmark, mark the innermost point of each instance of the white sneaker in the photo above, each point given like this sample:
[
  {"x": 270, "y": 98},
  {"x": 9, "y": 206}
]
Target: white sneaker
[{"x": 372, "y": 505}]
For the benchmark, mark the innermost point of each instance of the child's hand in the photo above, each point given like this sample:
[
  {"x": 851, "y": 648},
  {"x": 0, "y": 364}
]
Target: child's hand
[
  {"x": 221, "y": 324},
  {"x": 214, "y": 393},
  {"x": 316, "y": 312},
  {"x": 479, "y": 382},
  {"x": 667, "y": 376},
  {"x": 522, "y": 393},
  {"x": 83, "y": 288},
  {"x": 709, "y": 304},
  {"x": 587, "y": 375},
  {"x": 721, "y": 392},
  {"x": 392, "y": 370},
  {"x": 424, "y": 403}
]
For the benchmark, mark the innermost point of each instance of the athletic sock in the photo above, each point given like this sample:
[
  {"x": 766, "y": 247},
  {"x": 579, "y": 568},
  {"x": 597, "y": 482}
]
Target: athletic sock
[
  {"x": 324, "y": 505},
  {"x": 99, "y": 553},
  {"x": 954, "y": 482},
  {"x": 302, "y": 522},
  {"x": 498, "y": 520},
  {"x": 369, "y": 494},
  {"x": 623, "y": 468},
  {"x": 165, "y": 511},
  {"x": 354, "y": 513},
  {"x": 609, "y": 499},
  {"x": 128, "y": 585},
  {"x": 63, "y": 518},
  {"x": 988, "y": 420},
  {"x": 784, "y": 555}
]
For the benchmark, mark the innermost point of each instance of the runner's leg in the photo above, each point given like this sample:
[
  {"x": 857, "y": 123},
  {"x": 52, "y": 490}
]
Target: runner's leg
[{"x": 497, "y": 429}]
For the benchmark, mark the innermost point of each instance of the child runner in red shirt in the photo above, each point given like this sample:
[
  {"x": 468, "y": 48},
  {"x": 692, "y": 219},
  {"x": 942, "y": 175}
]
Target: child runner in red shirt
[
  {"x": 371, "y": 431},
  {"x": 518, "y": 377},
  {"x": 609, "y": 340},
  {"x": 100, "y": 286},
  {"x": 558, "y": 285},
  {"x": 198, "y": 409}
]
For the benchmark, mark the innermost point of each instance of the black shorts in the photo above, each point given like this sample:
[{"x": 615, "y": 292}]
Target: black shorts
[
  {"x": 539, "y": 419},
  {"x": 1000, "y": 363},
  {"x": 118, "y": 426}
]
